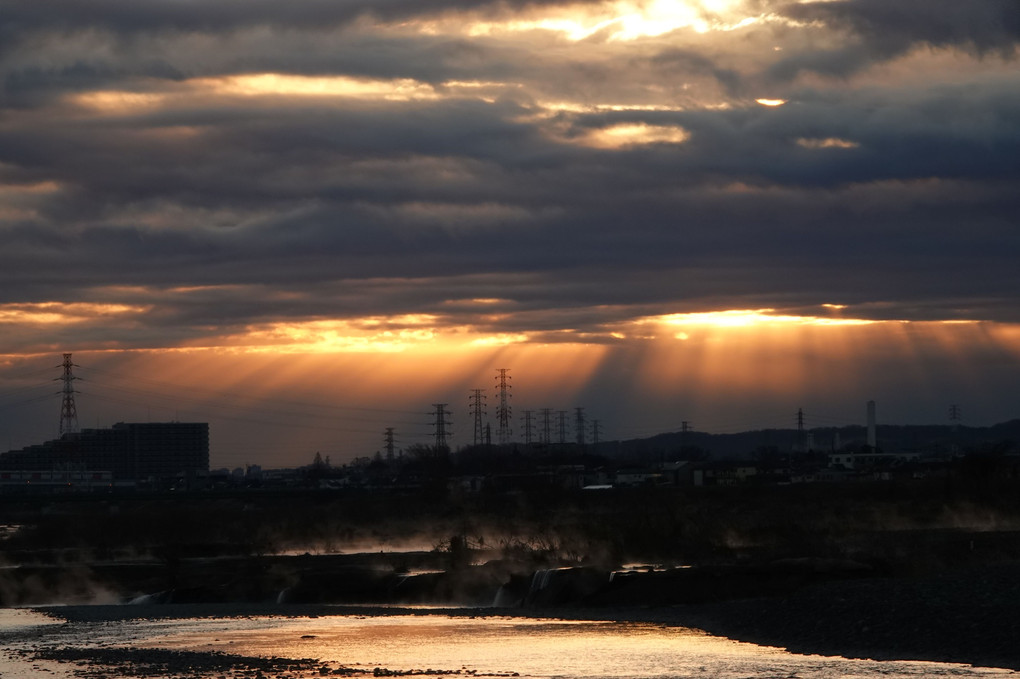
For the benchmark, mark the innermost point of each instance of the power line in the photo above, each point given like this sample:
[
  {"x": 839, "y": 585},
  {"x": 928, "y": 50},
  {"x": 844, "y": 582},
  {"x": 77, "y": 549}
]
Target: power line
[
  {"x": 232, "y": 405},
  {"x": 235, "y": 395},
  {"x": 48, "y": 384},
  {"x": 37, "y": 399},
  {"x": 48, "y": 395},
  {"x": 48, "y": 370},
  {"x": 259, "y": 420}
]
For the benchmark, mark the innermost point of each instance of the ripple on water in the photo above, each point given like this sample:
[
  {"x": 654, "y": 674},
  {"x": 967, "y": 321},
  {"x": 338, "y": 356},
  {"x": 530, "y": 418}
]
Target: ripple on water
[
  {"x": 20, "y": 630},
  {"x": 502, "y": 646}
]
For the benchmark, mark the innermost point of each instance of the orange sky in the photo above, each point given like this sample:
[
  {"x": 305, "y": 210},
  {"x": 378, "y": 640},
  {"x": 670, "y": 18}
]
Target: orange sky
[{"x": 279, "y": 403}]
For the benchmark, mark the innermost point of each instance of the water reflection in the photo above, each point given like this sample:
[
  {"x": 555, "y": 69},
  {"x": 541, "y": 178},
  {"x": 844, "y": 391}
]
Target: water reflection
[
  {"x": 531, "y": 648},
  {"x": 19, "y": 627}
]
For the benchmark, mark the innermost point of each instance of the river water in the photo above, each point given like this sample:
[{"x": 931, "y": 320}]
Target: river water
[{"x": 430, "y": 644}]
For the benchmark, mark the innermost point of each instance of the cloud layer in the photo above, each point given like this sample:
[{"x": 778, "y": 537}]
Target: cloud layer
[
  {"x": 229, "y": 174},
  {"x": 218, "y": 164}
]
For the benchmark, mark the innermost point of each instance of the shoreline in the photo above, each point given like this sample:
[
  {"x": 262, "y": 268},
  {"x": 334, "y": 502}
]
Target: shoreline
[{"x": 967, "y": 617}]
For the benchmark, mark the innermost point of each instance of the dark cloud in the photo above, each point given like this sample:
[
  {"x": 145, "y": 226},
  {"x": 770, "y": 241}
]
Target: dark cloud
[
  {"x": 126, "y": 18},
  {"x": 983, "y": 25},
  {"x": 341, "y": 207},
  {"x": 885, "y": 30},
  {"x": 685, "y": 63}
]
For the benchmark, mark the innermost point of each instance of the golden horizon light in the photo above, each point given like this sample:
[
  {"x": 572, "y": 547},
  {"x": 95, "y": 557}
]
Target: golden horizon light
[
  {"x": 740, "y": 318},
  {"x": 626, "y": 135},
  {"x": 50, "y": 313},
  {"x": 827, "y": 143},
  {"x": 622, "y": 20}
]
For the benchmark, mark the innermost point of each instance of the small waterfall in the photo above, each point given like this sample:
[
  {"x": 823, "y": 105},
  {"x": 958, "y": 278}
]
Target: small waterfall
[
  {"x": 520, "y": 590},
  {"x": 505, "y": 598},
  {"x": 550, "y": 586},
  {"x": 540, "y": 581},
  {"x": 148, "y": 599}
]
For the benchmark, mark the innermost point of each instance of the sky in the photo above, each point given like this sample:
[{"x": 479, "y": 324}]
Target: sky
[{"x": 307, "y": 221}]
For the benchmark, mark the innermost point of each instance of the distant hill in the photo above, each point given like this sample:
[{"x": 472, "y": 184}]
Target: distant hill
[{"x": 890, "y": 437}]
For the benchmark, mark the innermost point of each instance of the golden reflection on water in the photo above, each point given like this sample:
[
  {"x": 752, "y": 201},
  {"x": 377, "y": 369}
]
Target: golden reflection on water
[{"x": 533, "y": 648}]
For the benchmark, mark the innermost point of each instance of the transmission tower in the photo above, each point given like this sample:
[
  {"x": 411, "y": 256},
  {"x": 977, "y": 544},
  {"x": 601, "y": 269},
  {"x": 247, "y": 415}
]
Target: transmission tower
[
  {"x": 503, "y": 414},
  {"x": 441, "y": 425},
  {"x": 389, "y": 444},
  {"x": 596, "y": 429},
  {"x": 68, "y": 412},
  {"x": 579, "y": 425},
  {"x": 563, "y": 425},
  {"x": 955, "y": 415},
  {"x": 546, "y": 436},
  {"x": 477, "y": 411},
  {"x": 527, "y": 426},
  {"x": 800, "y": 429}
]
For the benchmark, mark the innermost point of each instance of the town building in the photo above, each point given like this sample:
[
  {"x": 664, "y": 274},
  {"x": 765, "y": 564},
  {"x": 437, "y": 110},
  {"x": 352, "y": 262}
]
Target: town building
[{"x": 127, "y": 451}]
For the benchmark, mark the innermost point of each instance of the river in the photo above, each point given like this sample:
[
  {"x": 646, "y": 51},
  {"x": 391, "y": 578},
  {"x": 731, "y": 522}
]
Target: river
[{"x": 424, "y": 644}]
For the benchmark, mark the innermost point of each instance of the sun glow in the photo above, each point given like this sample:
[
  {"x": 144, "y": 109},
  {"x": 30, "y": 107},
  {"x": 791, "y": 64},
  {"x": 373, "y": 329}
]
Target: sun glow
[
  {"x": 428, "y": 332},
  {"x": 115, "y": 101},
  {"x": 319, "y": 337},
  {"x": 36, "y": 188},
  {"x": 633, "y": 134},
  {"x": 502, "y": 339},
  {"x": 387, "y": 335},
  {"x": 263, "y": 84},
  {"x": 47, "y": 313},
  {"x": 198, "y": 92},
  {"x": 712, "y": 363},
  {"x": 627, "y": 20},
  {"x": 574, "y": 107},
  {"x": 743, "y": 318},
  {"x": 827, "y": 143}
]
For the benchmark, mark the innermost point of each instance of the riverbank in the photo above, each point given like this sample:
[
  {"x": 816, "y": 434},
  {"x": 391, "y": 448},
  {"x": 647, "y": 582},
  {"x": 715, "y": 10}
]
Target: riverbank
[
  {"x": 913, "y": 572},
  {"x": 968, "y": 616}
]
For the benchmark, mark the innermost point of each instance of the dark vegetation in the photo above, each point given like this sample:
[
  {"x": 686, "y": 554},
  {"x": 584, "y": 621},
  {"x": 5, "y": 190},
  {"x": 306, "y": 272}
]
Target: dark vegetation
[{"x": 254, "y": 546}]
